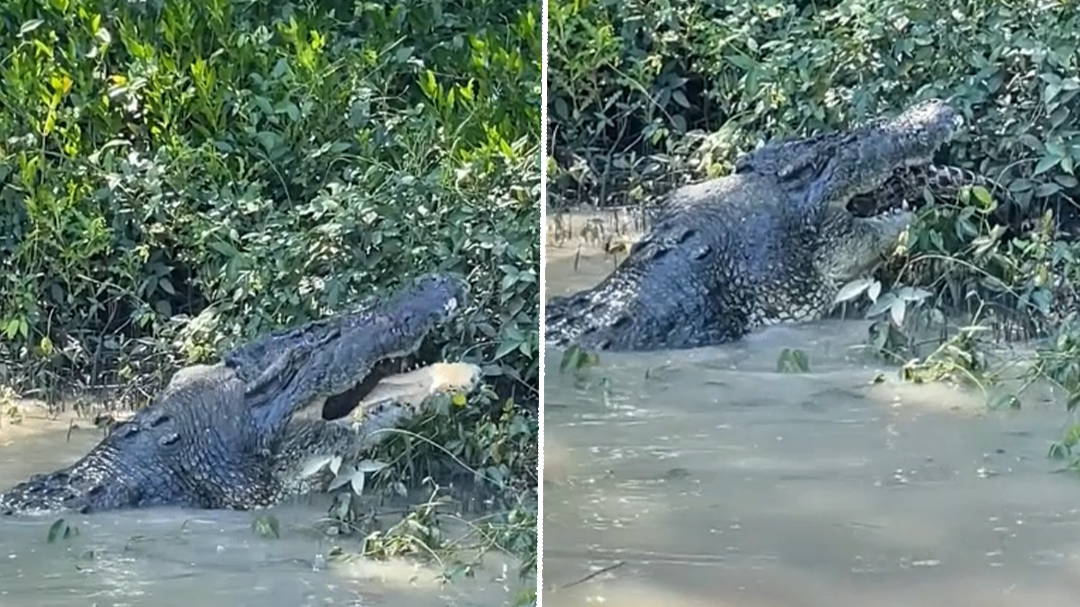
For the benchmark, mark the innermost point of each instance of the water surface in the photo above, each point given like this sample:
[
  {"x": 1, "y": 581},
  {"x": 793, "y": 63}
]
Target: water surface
[
  {"x": 715, "y": 480},
  {"x": 171, "y": 557}
]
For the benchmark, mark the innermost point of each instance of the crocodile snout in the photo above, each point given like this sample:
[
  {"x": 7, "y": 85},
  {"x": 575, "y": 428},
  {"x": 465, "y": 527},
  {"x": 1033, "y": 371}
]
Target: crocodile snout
[
  {"x": 933, "y": 117},
  {"x": 439, "y": 294}
]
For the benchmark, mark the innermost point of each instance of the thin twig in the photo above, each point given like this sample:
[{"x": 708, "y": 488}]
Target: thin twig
[{"x": 590, "y": 576}]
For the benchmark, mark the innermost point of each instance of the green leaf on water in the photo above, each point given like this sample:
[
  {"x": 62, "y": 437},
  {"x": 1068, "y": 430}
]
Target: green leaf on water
[
  {"x": 575, "y": 359},
  {"x": 525, "y": 597},
  {"x": 793, "y": 360},
  {"x": 1004, "y": 401},
  {"x": 267, "y": 526},
  {"x": 1072, "y": 436},
  {"x": 1058, "y": 451},
  {"x": 61, "y": 530}
]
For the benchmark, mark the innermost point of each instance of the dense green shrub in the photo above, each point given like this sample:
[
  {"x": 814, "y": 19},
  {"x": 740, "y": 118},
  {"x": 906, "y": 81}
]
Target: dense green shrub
[
  {"x": 630, "y": 82},
  {"x": 248, "y": 164},
  {"x": 178, "y": 175}
]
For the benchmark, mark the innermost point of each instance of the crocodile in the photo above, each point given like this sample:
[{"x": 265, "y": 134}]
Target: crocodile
[
  {"x": 772, "y": 242},
  {"x": 238, "y": 434}
]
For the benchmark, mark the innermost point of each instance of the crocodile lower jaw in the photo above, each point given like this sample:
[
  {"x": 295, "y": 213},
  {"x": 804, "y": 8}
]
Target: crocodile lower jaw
[{"x": 412, "y": 388}]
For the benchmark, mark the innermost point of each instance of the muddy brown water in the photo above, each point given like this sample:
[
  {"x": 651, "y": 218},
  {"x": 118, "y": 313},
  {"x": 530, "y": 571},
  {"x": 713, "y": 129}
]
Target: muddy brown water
[
  {"x": 715, "y": 480},
  {"x": 161, "y": 557}
]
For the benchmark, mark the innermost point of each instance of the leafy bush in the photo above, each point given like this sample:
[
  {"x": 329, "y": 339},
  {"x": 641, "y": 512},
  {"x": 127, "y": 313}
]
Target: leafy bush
[
  {"x": 177, "y": 175},
  {"x": 249, "y": 165},
  {"x": 631, "y": 82}
]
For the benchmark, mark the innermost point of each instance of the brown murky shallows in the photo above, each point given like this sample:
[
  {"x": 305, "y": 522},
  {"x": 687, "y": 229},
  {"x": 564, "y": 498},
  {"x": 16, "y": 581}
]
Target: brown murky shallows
[
  {"x": 164, "y": 557},
  {"x": 706, "y": 478}
]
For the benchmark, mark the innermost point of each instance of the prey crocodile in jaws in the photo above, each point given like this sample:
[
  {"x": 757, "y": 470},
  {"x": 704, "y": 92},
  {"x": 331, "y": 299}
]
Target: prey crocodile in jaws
[
  {"x": 227, "y": 435},
  {"x": 772, "y": 242}
]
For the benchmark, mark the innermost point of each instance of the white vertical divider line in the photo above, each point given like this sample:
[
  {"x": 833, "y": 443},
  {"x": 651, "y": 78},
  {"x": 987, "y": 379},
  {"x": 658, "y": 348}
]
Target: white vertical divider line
[
  {"x": 543, "y": 282},
  {"x": 543, "y": 289}
]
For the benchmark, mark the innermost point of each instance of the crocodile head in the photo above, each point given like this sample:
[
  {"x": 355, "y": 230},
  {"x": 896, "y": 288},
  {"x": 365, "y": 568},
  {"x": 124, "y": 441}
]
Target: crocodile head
[
  {"x": 830, "y": 169},
  {"x": 391, "y": 331},
  {"x": 334, "y": 362}
]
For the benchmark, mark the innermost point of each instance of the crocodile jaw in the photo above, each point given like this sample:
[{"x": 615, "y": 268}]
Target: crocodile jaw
[
  {"x": 412, "y": 388},
  {"x": 393, "y": 400}
]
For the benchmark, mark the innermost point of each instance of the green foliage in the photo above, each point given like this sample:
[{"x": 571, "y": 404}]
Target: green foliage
[
  {"x": 634, "y": 85},
  {"x": 200, "y": 172},
  {"x": 630, "y": 81},
  {"x": 493, "y": 439},
  {"x": 499, "y": 453},
  {"x": 176, "y": 176}
]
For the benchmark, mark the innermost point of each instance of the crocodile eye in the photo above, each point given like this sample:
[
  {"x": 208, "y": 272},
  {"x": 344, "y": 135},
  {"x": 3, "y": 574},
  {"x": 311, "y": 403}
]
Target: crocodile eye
[
  {"x": 125, "y": 430},
  {"x": 169, "y": 439},
  {"x": 655, "y": 253},
  {"x": 686, "y": 235}
]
